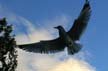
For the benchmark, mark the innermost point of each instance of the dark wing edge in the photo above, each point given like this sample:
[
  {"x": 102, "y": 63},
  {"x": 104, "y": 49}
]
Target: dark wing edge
[
  {"x": 81, "y": 22},
  {"x": 49, "y": 46}
]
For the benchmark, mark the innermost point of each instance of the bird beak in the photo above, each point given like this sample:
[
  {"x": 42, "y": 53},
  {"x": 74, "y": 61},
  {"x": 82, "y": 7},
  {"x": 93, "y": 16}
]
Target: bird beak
[{"x": 55, "y": 27}]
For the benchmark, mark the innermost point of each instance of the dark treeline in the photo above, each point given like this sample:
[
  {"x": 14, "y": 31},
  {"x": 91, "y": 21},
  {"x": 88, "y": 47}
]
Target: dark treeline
[{"x": 8, "y": 53}]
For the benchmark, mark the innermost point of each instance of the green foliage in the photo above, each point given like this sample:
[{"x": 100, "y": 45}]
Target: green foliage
[{"x": 8, "y": 54}]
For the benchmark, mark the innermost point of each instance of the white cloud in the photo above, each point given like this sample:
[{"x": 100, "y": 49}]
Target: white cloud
[
  {"x": 73, "y": 65},
  {"x": 49, "y": 24},
  {"x": 51, "y": 62},
  {"x": 34, "y": 35}
]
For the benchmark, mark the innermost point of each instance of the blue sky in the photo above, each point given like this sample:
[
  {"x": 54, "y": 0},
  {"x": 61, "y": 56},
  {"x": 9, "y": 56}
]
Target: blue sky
[{"x": 94, "y": 39}]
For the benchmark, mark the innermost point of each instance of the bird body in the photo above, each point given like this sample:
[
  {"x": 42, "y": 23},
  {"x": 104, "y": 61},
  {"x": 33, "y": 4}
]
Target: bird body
[
  {"x": 70, "y": 44},
  {"x": 65, "y": 39}
]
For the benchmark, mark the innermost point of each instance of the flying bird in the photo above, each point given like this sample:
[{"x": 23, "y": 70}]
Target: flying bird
[{"x": 65, "y": 39}]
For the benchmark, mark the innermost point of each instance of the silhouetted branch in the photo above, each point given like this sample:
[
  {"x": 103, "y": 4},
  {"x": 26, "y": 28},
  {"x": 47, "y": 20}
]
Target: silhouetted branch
[{"x": 8, "y": 53}]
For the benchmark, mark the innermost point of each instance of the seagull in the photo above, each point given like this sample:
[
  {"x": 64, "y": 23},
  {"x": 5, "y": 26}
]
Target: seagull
[{"x": 65, "y": 39}]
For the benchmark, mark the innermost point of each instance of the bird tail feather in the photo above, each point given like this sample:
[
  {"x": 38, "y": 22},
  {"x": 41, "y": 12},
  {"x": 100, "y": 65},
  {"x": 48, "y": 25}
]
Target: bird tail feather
[{"x": 76, "y": 47}]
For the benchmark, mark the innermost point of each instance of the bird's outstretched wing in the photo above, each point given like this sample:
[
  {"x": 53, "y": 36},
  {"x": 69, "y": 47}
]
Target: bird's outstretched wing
[
  {"x": 81, "y": 22},
  {"x": 50, "y": 46}
]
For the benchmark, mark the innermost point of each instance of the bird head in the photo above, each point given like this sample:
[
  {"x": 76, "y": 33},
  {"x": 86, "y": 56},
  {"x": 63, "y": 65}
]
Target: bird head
[{"x": 58, "y": 27}]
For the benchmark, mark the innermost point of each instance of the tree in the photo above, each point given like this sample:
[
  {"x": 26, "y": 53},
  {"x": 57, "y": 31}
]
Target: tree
[{"x": 8, "y": 53}]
